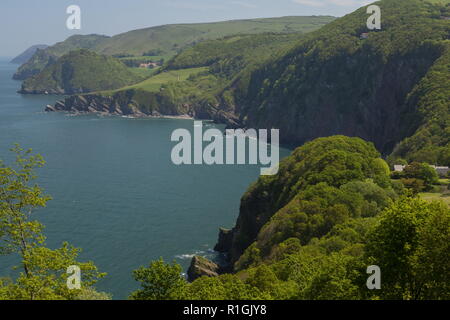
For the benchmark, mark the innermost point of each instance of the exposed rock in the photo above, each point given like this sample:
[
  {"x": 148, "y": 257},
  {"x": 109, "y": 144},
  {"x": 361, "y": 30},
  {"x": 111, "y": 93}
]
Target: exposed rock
[
  {"x": 56, "y": 91},
  {"x": 225, "y": 240},
  {"x": 202, "y": 267},
  {"x": 122, "y": 103},
  {"x": 50, "y": 108},
  {"x": 92, "y": 104}
]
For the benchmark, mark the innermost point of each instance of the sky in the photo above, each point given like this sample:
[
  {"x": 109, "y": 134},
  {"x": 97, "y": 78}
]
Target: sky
[{"x": 24, "y": 23}]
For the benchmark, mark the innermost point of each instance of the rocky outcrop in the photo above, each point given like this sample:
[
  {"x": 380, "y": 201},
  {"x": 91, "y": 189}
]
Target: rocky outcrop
[
  {"x": 96, "y": 104},
  {"x": 57, "y": 91},
  {"x": 256, "y": 209},
  {"x": 154, "y": 104},
  {"x": 225, "y": 240},
  {"x": 200, "y": 267}
]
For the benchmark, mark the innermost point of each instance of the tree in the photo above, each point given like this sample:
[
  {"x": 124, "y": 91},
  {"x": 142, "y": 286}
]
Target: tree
[
  {"x": 335, "y": 279},
  {"x": 18, "y": 201},
  {"x": 421, "y": 171},
  {"x": 411, "y": 246},
  {"x": 159, "y": 281},
  {"x": 43, "y": 270},
  {"x": 264, "y": 279},
  {"x": 414, "y": 185},
  {"x": 224, "y": 287}
]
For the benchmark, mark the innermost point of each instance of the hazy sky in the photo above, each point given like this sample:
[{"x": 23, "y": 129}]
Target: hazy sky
[{"x": 27, "y": 22}]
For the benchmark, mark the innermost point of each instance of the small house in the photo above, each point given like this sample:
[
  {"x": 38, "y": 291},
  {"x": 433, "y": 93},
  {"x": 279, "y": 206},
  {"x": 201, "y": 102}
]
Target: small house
[
  {"x": 149, "y": 65},
  {"x": 441, "y": 171}
]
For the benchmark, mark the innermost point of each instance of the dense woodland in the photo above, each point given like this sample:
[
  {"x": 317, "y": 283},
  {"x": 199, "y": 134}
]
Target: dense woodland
[
  {"x": 309, "y": 232},
  {"x": 335, "y": 207}
]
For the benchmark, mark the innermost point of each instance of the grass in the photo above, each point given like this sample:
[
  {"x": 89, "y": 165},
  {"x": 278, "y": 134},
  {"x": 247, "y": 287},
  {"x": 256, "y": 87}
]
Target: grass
[
  {"x": 144, "y": 72},
  {"x": 153, "y": 84},
  {"x": 139, "y": 58},
  {"x": 445, "y": 197},
  {"x": 441, "y": 194},
  {"x": 169, "y": 39}
]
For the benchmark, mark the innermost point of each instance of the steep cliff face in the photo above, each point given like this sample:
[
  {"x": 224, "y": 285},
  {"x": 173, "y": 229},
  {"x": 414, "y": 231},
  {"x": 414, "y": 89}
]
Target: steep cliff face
[
  {"x": 140, "y": 103},
  {"x": 431, "y": 142},
  {"x": 383, "y": 88},
  {"x": 326, "y": 162},
  {"x": 335, "y": 82},
  {"x": 352, "y": 94},
  {"x": 95, "y": 104}
]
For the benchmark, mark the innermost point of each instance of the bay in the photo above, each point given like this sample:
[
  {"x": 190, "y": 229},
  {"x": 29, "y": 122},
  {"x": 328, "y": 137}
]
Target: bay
[{"x": 116, "y": 193}]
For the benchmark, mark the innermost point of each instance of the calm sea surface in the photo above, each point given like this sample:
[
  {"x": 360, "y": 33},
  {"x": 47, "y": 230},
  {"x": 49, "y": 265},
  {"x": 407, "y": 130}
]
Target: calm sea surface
[{"x": 116, "y": 193}]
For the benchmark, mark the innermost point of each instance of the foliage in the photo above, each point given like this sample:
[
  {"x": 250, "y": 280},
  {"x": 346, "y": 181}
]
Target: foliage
[
  {"x": 159, "y": 281},
  {"x": 418, "y": 177},
  {"x": 224, "y": 287},
  {"x": 431, "y": 142},
  {"x": 43, "y": 271},
  {"x": 45, "y": 57},
  {"x": 411, "y": 246},
  {"x": 165, "y": 40},
  {"x": 170, "y": 39},
  {"x": 81, "y": 71},
  {"x": 409, "y": 241},
  {"x": 322, "y": 183}
]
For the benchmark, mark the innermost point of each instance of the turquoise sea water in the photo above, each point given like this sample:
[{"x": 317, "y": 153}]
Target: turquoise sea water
[{"x": 116, "y": 193}]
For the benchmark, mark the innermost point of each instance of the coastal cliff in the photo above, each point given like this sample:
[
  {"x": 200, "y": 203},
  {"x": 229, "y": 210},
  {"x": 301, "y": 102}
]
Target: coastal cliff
[
  {"x": 385, "y": 88},
  {"x": 79, "y": 104},
  {"x": 276, "y": 208},
  {"x": 138, "y": 103},
  {"x": 81, "y": 71}
]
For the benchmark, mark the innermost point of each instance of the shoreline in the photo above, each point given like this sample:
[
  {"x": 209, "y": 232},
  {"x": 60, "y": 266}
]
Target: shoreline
[{"x": 50, "y": 108}]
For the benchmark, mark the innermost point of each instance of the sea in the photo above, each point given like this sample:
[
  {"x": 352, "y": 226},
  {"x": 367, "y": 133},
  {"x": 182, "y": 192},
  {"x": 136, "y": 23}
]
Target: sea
[{"x": 115, "y": 192}]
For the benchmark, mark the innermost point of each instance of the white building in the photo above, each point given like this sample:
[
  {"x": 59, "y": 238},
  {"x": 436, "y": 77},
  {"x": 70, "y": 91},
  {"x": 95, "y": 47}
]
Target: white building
[
  {"x": 399, "y": 168},
  {"x": 441, "y": 171}
]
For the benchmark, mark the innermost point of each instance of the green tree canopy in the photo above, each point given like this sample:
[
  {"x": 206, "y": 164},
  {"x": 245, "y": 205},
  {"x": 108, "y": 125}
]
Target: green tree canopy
[{"x": 43, "y": 271}]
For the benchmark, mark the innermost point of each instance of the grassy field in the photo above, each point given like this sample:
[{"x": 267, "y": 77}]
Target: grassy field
[
  {"x": 152, "y": 58},
  {"x": 169, "y": 39},
  {"x": 445, "y": 197},
  {"x": 144, "y": 72},
  {"x": 443, "y": 193},
  {"x": 153, "y": 84},
  {"x": 137, "y": 60}
]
